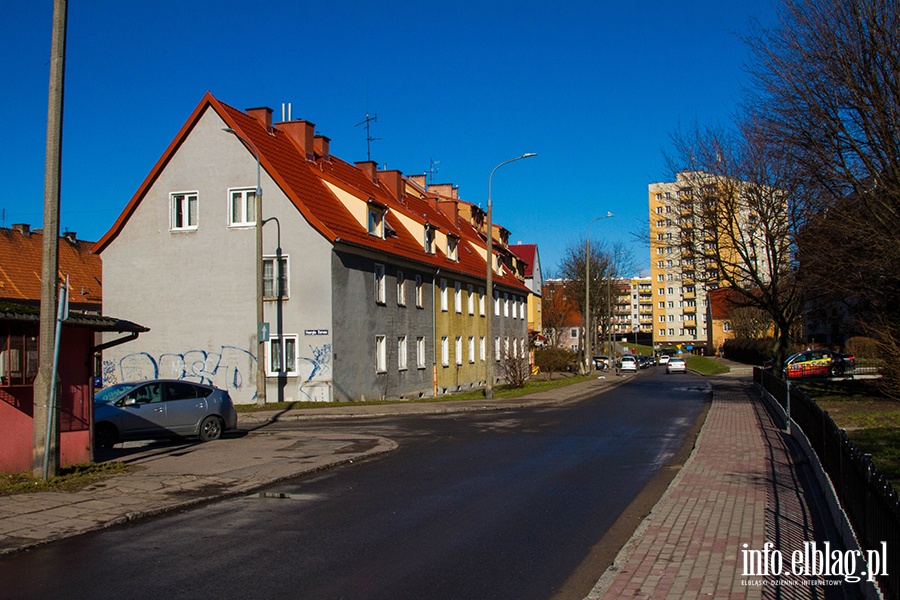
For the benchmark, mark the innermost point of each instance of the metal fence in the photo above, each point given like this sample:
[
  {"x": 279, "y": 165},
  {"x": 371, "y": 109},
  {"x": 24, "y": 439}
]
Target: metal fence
[{"x": 867, "y": 497}]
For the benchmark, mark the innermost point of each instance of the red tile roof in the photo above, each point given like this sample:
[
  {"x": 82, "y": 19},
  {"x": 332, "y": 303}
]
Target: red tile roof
[
  {"x": 722, "y": 301},
  {"x": 526, "y": 252},
  {"x": 21, "y": 252},
  {"x": 303, "y": 181}
]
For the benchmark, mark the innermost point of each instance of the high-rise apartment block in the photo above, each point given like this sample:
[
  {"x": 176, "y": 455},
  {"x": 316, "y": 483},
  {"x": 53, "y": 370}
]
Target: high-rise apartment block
[{"x": 679, "y": 294}]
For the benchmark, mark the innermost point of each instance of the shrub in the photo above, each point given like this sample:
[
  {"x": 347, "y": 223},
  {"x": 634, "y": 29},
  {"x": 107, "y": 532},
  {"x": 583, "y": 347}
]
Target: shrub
[
  {"x": 553, "y": 359},
  {"x": 515, "y": 369}
]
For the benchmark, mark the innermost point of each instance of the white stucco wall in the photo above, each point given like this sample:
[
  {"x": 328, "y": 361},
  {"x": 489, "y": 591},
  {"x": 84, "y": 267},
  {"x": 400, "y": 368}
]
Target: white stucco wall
[{"x": 195, "y": 290}]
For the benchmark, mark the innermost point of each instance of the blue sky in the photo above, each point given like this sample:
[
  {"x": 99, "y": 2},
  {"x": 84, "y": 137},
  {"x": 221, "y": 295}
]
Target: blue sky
[{"x": 594, "y": 87}]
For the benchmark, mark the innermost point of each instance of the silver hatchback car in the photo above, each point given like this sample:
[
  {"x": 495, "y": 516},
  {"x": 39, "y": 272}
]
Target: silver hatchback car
[{"x": 161, "y": 408}]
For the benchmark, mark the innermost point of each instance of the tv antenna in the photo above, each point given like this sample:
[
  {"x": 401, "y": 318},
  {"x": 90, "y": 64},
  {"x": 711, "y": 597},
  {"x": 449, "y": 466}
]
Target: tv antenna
[
  {"x": 369, "y": 139},
  {"x": 432, "y": 169}
]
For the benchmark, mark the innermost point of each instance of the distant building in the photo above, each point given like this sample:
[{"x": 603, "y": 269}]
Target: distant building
[{"x": 534, "y": 280}]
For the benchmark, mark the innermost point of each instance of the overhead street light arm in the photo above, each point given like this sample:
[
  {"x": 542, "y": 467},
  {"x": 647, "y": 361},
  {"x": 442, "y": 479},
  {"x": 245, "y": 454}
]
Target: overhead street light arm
[{"x": 489, "y": 283}]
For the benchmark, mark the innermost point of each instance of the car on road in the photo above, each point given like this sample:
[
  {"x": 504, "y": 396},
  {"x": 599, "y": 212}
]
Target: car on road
[
  {"x": 676, "y": 364},
  {"x": 161, "y": 408},
  {"x": 820, "y": 363},
  {"x": 644, "y": 361},
  {"x": 663, "y": 359},
  {"x": 628, "y": 362}
]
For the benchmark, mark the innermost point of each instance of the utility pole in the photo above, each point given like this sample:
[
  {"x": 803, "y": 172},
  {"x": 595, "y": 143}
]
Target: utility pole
[{"x": 44, "y": 419}]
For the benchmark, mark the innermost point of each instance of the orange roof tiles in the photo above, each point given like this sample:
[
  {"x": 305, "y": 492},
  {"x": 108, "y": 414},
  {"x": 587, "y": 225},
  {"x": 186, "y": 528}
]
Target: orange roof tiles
[
  {"x": 21, "y": 252},
  {"x": 303, "y": 180}
]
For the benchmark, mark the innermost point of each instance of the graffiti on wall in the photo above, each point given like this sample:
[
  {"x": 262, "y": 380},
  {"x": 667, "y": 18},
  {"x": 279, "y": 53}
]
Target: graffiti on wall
[
  {"x": 229, "y": 368},
  {"x": 316, "y": 365}
]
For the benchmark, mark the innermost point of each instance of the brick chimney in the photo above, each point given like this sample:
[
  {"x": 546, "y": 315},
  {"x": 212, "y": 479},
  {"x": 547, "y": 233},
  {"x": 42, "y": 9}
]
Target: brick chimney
[
  {"x": 368, "y": 167},
  {"x": 23, "y": 228},
  {"x": 262, "y": 114},
  {"x": 301, "y": 134},
  {"x": 450, "y": 208},
  {"x": 393, "y": 181},
  {"x": 71, "y": 237},
  {"x": 321, "y": 144},
  {"x": 447, "y": 190}
]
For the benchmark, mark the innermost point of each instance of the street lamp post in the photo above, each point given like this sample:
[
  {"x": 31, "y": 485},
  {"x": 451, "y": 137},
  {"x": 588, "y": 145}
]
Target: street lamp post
[
  {"x": 260, "y": 316},
  {"x": 588, "y": 338},
  {"x": 489, "y": 284}
]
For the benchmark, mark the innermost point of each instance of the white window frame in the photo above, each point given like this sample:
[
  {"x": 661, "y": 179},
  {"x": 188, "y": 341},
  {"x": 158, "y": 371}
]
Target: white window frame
[
  {"x": 471, "y": 349},
  {"x": 459, "y": 352},
  {"x": 420, "y": 352},
  {"x": 401, "y": 289},
  {"x": 470, "y": 299},
  {"x": 481, "y": 301},
  {"x": 380, "y": 354},
  {"x": 445, "y": 351},
  {"x": 180, "y": 206},
  {"x": 482, "y": 348},
  {"x": 420, "y": 292},
  {"x": 428, "y": 242},
  {"x": 457, "y": 297},
  {"x": 246, "y": 209},
  {"x": 453, "y": 248},
  {"x": 401, "y": 353},
  {"x": 496, "y": 348},
  {"x": 274, "y": 281},
  {"x": 277, "y": 347},
  {"x": 443, "y": 286},
  {"x": 380, "y": 293},
  {"x": 496, "y": 303},
  {"x": 375, "y": 221}
]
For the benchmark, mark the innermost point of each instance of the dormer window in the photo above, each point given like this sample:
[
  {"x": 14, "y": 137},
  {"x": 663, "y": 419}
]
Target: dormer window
[
  {"x": 376, "y": 221},
  {"x": 429, "y": 239},
  {"x": 453, "y": 248}
]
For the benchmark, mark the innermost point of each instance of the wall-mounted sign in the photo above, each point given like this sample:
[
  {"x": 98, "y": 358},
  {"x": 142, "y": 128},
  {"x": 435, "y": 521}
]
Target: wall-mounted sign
[{"x": 315, "y": 332}]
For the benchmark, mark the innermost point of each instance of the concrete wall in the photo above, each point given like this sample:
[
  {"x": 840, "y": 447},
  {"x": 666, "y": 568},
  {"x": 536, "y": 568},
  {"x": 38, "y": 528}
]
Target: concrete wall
[
  {"x": 195, "y": 290},
  {"x": 358, "y": 319}
]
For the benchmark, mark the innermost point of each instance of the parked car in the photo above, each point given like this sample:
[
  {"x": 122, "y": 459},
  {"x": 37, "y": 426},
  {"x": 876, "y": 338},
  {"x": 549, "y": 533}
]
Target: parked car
[
  {"x": 663, "y": 359},
  {"x": 676, "y": 364},
  {"x": 820, "y": 363},
  {"x": 161, "y": 408},
  {"x": 644, "y": 361},
  {"x": 601, "y": 362},
  {"x": 628, "y": 362}
]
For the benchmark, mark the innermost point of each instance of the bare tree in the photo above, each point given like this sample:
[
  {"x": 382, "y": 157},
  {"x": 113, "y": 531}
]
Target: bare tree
[
  {"x": 739, "y": 209},
  {"x": 750, "y": 323},
  {"x": 514, "y": 367},
  {"x": 827, "y": 96},
  {"x": 556, "y": 311},
  {"x": 607, "y": 263}
]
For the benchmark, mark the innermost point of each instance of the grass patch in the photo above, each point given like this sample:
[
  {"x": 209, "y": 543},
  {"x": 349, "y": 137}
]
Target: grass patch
[
  {"x": 534, "y": 385},
  {"x": 883, "y": 443},
  {"x": 705, "y": 365},
  {"x": 70, "y": 479},
  {"x": 871, "y": 420}
]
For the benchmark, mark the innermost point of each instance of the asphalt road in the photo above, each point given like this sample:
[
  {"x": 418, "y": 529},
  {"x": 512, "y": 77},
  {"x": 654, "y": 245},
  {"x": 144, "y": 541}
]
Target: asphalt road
[{"x": 500, "y": 504}]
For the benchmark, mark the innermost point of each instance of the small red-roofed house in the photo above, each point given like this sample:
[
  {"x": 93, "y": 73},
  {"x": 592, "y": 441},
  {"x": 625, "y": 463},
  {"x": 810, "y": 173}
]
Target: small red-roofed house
[{"x": 20, "y": 292}]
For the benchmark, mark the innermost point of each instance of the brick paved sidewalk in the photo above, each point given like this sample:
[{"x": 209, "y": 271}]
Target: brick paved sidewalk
[{"x": 744, "y": 484}]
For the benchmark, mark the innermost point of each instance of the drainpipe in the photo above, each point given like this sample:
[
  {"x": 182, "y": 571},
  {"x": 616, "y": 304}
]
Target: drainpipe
[{"x": 434, "y": 347}]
